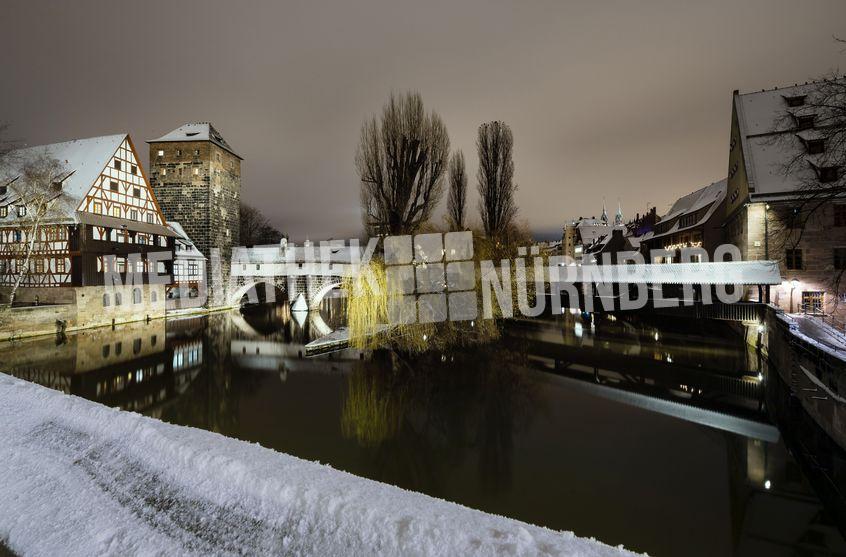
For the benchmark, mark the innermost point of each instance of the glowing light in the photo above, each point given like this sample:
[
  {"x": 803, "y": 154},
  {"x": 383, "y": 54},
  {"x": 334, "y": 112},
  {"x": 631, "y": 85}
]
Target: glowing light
[
  {"x": 657, "y": 337},
  {"x": 795, "y": 283},
  {"x": 578, "y": 330},
  {"x": 760, "y": 327},
  {"x": 425, "y": 337},
  {"x": 767, "y": 484},
  {"x": 760, "y": 377}
]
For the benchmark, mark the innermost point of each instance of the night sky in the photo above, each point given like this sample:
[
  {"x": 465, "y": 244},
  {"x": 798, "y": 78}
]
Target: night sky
[{"x": 613, "y": 99}]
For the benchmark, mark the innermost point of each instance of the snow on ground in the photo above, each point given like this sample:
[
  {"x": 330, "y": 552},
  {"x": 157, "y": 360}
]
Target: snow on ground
[{"x": 78, "y": 478}]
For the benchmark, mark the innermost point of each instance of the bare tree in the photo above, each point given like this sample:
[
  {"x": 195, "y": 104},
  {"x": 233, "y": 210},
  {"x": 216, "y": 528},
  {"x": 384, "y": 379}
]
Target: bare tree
[
  {"x": 255, "y": 228},
  {"x": 457, "y": 200},
  {"x": 817, "y": 162},
  {"x": 496, "y": 179},
  {"x": 32, "y": 185},
  {"x": 401, "y": 160}
]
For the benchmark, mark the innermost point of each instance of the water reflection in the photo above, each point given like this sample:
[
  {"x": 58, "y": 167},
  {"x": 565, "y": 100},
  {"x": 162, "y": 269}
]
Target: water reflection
[{"x": 657, "y": 435}]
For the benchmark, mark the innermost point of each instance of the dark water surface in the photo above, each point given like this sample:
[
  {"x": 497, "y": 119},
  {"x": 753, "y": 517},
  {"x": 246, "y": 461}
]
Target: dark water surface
[{"x": 658, "y": 435}]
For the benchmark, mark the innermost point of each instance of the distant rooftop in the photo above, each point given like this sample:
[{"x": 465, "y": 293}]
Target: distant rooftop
[{"x": 196, "y": 131}]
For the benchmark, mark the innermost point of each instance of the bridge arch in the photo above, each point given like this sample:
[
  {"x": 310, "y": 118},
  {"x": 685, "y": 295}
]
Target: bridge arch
[
  {"x": 235, "y": 297},
  {"x": 317, "y": 297}
]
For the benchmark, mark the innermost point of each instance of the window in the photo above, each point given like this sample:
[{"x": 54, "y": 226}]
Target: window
[
  {"x": 160, "y": 153},
  {"x": 133, "y": 214},
  {"x": 105, "y": 300},
  {"x": 136, "y": 296},
  {"x": 812, "y": 301},
  {"x": 164, "y": 171},
  {"x": 805, "y": 122},
  {"x": 840, "y": 214},
  {"x": 117, "y": 164},
  {"x": 106, "y": 349},
  {"x": 793, "y": 259},
  {"x": 828, "y": 173},
  {"x": 154, "y": 297},
  {"x": 815, "y": 146},
  {"x": 118, "y": 345},
  {"x": 39, "y": 265},
  {"x": 196, "y": 172},
  {"x": 134, "y": 169},
  {"x": 118, "y": 301},
  {"x": 21, "y": 211},
  {"x": 17, "y": 235},
  {"x": 60, "y": 265},
  {"x": 116, "y": 211},
  {"x": 179, "y": 152},
  {"x": 136, "y": 192},
  {"x": 98, "y": 207},
  {"x": 797, "y": 100},
  {"x": 840, "y": 259},
  {"x": 196, "y": 152},
  {"x": 151, "y": 219},
  {"x": 4, "y": 211},
  {"x": 113, "y": 185},
  {"x": 136, "y": 346}
]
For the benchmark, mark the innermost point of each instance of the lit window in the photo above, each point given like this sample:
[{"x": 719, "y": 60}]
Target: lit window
[
  {"x": 196, "y": 152},
  {"x": 98, "y": 207},
  {"x": 179, "y": 152},
  {"x": 116, "y": 211},
  {"x": 164, "y": 171},
  {"x": 196, "y": 172},
  {"x": 160, "y": 153},
  {"x": 21, "y": 211},
  {"x": 60, "y": 265},
  {"x": 4, "y": 211}
]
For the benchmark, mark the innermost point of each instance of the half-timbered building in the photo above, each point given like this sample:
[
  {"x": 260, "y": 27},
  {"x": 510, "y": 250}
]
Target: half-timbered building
[{"x": 98, "y": 213}]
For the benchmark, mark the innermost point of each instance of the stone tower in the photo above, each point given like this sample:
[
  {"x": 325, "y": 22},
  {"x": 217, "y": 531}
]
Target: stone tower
[{"x": 196, "y": 177}]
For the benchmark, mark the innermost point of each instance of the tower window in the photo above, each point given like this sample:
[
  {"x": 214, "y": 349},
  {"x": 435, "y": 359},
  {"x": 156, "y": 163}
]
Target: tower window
[
  {"x": 196, "y": 172},
  {"x": 179, "y": 152},
  {"x": 160, "y": 153},
  {"x": 196, "y": 152}
]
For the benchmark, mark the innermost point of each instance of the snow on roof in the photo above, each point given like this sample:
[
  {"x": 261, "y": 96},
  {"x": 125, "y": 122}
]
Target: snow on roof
[
  {"x": 83, "y": 161},
  {"x": 196, "y": 131},
  {"x": 127, "y": 484},
  {"x": 710, "y": 196},
  {"x": 763, "y": 128},
  {"x": 724, "y": 272},
  {"x": 191, "y": 250}
]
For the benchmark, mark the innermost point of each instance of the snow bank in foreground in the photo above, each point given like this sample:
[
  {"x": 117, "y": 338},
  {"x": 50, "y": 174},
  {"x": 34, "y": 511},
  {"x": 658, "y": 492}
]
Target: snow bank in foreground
[{"x": 78, "y": 478}]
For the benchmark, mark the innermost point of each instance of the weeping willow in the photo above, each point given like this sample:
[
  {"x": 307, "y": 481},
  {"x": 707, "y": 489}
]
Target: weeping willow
[{"x": 373, "y": 408}]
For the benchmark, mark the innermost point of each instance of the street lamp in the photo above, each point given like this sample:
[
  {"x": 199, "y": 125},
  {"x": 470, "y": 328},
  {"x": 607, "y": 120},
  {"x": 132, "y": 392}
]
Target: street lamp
[{"x": 794, "y": 284}]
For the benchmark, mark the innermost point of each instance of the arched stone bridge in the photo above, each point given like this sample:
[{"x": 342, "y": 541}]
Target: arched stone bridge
[{"x": 310, "y": 270}]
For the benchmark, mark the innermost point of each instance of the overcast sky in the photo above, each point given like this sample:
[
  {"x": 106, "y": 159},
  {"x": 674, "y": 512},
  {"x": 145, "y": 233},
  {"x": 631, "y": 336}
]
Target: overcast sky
[{"x": 614, "y": 99}]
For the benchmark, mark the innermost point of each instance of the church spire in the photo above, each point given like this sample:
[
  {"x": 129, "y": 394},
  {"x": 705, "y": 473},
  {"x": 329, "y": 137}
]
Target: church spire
[
  {"x": 604, "y": 213},
  {"x": 618, "y": 218}
]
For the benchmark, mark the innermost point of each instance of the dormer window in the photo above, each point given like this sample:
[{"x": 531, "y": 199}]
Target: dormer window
[
  {"x": 815, "y": 146},
  {"x": 828, "y": 173},
  {"x": 21, "y": 210},
  {"x": 4, "y": 211},
  {"x": 160, "y": 153},
  {"x": 806, "y": 121},
  {"x": 796, "y": 100}
]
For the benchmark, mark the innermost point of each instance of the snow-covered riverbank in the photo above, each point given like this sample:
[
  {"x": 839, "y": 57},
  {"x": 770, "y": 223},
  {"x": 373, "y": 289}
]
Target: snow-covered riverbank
[{"x": 78, "y": 478}]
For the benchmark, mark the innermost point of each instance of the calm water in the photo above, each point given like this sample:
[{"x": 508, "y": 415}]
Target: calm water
[{"x": 648, "y": 434}]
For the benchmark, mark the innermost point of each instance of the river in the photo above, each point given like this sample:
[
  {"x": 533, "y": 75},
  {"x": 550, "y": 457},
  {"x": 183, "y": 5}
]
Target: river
[{"x": 669, "y": 437}]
